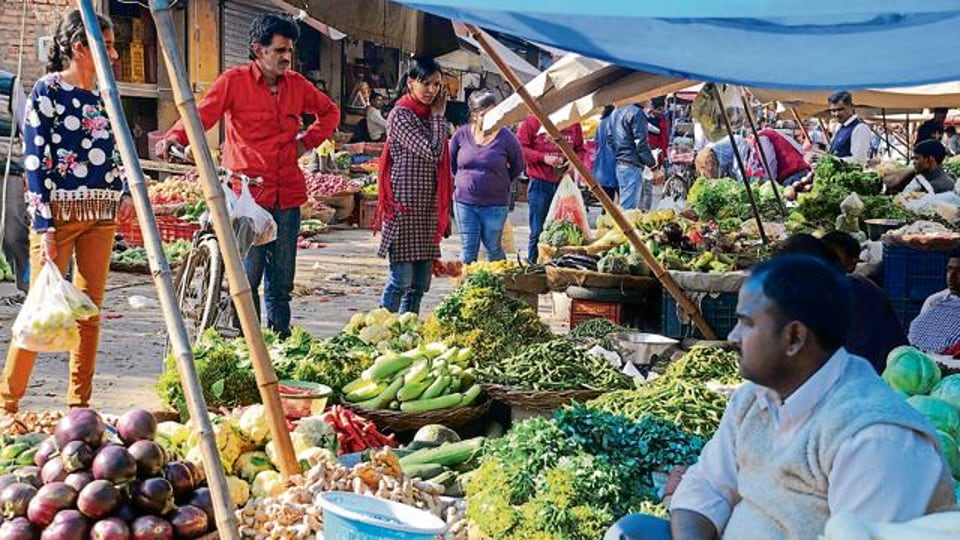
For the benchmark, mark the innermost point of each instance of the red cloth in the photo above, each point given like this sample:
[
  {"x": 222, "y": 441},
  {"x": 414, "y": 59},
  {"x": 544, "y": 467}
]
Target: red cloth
[
  {"x": 660, "y": 140},
  {"x": 789, "y": 160},
  {"x": 537, "y": 145},
  {"x": 387, "y": 206},
  {"x": 262, "y": 129}
]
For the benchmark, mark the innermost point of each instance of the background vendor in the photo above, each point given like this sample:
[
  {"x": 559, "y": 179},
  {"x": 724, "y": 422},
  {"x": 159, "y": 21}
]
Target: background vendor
[
  {"x": 928, "y": 159},
  {"x": 717, "y": 159},
  {"x": 784, "y": 156},
  {"x": 937, "y": 328},
  {"x": 852, "y": 141}
]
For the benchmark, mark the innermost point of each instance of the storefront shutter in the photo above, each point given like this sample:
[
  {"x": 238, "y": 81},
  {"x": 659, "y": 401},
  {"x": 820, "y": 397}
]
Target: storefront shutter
[{"x": 237, "y": 17}]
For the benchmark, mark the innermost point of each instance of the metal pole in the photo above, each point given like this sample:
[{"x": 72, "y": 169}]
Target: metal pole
[
  {"x": 886, "y": 130},
  {"x": 762, "y": 152},
  {"x": 236, "y": 277},
  {"x": 909, "y": 149},
  {"x": 743, "y": 169},
  {"x": 219, "y": 491},
  {"x": 612, "y": 209}
]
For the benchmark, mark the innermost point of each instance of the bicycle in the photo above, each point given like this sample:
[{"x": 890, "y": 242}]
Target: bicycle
[
  {"x": 202, "y": 296},
  {"x": 682, "y": 174}
]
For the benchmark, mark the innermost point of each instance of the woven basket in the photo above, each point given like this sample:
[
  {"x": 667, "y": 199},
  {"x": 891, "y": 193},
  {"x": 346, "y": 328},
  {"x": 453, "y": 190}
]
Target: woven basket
[
  {"x": 398, "y": 421},
  {"x": 538, "y": 400}
]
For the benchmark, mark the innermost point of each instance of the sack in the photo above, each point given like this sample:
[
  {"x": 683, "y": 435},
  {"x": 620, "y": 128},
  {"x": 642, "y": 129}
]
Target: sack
[
  {"x": 48, "y": 320},
  {"x": 567, "y": 206},
  {"x": 250, "y": 216},
  {"x": 506, "y": 239}
]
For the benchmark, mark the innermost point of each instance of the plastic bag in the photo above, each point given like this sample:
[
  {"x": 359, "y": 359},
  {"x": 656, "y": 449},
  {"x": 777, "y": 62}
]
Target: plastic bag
[
  {"x": 567, "y": 206},
  {"x": 231, "y": 200},
  {"x": 249, "y": 214},
  {"x": 48, "y": 320},
  {"x": 506, "y": 239}
]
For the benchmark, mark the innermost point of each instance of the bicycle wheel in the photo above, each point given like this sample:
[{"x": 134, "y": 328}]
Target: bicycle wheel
[
  {"x": 675, "y": 188},
  {"x": 199, "y": 284}
]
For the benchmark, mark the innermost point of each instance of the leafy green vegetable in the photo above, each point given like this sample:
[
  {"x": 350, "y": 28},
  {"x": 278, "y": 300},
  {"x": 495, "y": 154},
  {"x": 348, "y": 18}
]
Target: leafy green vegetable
[
  {"x": 562, "y": 233},
  {"x": 335, "y": 361},
  {"x": 910, "y": 371},
  {"x": 6, "y": 273}
]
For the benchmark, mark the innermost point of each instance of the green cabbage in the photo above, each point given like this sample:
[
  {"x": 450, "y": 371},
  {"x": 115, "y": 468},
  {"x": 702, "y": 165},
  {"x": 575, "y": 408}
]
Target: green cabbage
[
  {"x": 941, "y": 414},
  {"x": 948, "y": 389},
  {"x": 948, "y": 447},
  {"x": 911, "y": 371}
]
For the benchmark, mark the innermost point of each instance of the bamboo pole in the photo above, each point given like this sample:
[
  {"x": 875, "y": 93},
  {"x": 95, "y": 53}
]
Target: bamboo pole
[
  {"x": 909, "y": 148},
  {"x": 762, "y": 152},
  {"x": 236, "y": 277},
  {"x": 226, "y": 521},
  {"x": 800, "y": 124},
  {"x": 612, "y": 209},
  {"x": 743, "y": 169},
  {"x": 826, "y": 134}
]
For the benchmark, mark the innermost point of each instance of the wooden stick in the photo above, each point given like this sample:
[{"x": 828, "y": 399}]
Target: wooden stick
[
  {"x": 800, "y": 124},
  {"x": 886, "y": 130},
  {"x": 237, "y": 278},
  {"x": 826, "y": 134},
  {"x": 762, "y": 152},
  {"x": 743, "y": 169},
  {"x": 226, "y": 521},
  {"x": 628, "y": 229}
]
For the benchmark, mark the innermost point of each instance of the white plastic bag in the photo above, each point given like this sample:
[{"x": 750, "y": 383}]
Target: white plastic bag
[
  {"x": 229, "y": 197},
  {"x": 248, "y": 213},
  {"x": 567, "y": 206},
  {"x": 48, "y": 320}
]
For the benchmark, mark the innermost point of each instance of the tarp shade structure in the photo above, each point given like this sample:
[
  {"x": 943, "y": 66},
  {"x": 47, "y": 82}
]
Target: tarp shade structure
[
  {"x": 576, "y": 87},
  {"x": 470, "y": 58},
  {"x": 915, "y": 98},
  {"x": 806, "y": 44},
  {"x": 387, "y": 23}
]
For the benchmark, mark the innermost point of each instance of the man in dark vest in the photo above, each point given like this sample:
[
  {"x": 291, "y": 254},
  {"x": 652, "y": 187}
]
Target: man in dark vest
[
  {"x": 852, "y": 141},
  {"x": 16, "y": 245}
]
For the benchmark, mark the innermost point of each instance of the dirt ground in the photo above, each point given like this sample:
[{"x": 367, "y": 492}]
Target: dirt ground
[{"x": 333, "y": 283}]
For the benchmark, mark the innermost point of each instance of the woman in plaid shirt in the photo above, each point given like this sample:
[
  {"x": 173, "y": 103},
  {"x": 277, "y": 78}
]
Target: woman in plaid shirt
[{"x": 415, "y": 187}]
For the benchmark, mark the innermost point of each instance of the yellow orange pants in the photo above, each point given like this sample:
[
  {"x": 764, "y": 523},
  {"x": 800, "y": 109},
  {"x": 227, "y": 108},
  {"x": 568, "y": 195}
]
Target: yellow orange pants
[{"x": 92, "y": 243}]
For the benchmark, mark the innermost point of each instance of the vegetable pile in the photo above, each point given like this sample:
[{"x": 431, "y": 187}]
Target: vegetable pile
[
  {"x": 479, "y": 315},
  {"x": 598, "y": 328},
  {"x": 572, "y": 476},
  {"x": 385, "y": 330},
  {"x": 834, "y": 180},
  {"x": 323, "y": 185},
  {"x": 554, "y": 365},
  {"x": 706, "y": 364},
  {"x": 354, "y": 432},
  {"x": 292, "y": 513},
  {"x": 917, "y": 377},
  {"x": 6, "y": 273},
  {"x": 562, "y": 233},
  {"x": 437, "y": 454},
  {"x": 724, "y": 198},
  {"x": 88, "y": 479},
  {"x": 427, "y": 378}
]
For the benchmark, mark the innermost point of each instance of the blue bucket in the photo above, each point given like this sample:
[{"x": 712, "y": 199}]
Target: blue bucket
[{"x": 348, "y": 516}]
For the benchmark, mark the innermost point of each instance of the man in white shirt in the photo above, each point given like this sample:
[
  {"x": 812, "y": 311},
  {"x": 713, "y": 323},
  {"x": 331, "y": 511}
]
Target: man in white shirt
[
  {"x": 852, "y": 141},
  {"x": 814, "y": 432},
  {"x": 376, "y": 123}
]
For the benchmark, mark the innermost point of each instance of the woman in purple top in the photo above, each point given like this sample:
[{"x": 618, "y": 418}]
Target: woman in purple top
[{"x": 484, "y": 168}]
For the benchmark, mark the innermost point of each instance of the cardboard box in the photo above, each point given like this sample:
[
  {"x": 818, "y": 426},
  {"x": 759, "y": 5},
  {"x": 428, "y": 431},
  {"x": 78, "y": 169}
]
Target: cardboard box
[{"x": 138, "y": 72}]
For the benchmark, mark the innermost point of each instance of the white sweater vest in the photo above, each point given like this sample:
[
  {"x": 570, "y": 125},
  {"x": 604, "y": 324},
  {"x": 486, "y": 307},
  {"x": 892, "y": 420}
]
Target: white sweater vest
[{"x": 784, "y": 495}]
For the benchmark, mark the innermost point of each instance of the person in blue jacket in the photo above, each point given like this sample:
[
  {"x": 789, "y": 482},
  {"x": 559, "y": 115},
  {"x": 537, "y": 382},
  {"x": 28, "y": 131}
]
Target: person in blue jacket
[{"x": 605, "y": 162}]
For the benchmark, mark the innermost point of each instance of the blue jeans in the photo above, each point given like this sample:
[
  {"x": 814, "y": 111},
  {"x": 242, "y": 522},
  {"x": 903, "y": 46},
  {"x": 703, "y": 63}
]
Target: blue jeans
[
  {"x": 635, "y": 191},
  {"x": 275, "y": 264},
  {"x": 639, "y": 527},
  {"x": 481, "y": 224},
  {"x": 406, "y": 285},
  {"x": 539, "y": 196},
  {"x": 794, "y": 178}
]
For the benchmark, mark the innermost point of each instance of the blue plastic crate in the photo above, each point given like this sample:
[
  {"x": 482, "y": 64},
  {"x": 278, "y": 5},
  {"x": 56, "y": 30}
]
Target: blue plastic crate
[
  {"x": 906, "y": 310},
  {"x": 913, "y": 274},
  {"x": 720, "y": 311}
]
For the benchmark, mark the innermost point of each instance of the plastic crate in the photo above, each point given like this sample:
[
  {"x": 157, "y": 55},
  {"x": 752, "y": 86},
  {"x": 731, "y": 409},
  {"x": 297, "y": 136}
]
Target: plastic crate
[
  {"x": 585, "y": 310},
  {"x": 906, "y": 310},
  {"x": 171, "y": 229},
  {"x": 719, "y": 310},
  {"x": 913, "y": 274}
]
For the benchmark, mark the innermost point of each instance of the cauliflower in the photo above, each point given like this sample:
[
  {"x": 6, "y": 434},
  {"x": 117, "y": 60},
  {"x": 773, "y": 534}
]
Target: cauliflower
[
  {"x": 380, "y": 317},
  {"x": 229, "y": 443},
  {"x": 239, "y": 491},
  {"x": 249, "y": 464},
  {"x": 355, "y": 324},
  {"x": 318, "y": 433},
  {"x": 253, "y": 425},
  {"x": 300, "y": 443},
  {"x": 171, "y": 436},
  {"x": 374, "y": 334},
  {"x": 268, "y": 484}
]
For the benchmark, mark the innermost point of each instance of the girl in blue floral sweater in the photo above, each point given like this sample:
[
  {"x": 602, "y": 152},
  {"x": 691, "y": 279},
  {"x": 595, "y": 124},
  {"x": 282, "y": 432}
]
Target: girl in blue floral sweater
[{"x": 75, "y": 193}]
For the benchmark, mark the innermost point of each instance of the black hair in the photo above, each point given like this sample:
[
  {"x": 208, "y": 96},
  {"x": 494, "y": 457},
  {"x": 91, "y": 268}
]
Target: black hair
[
  {"x": 421, "y": 68},
  {"x": 658, "y": 102},
  {"x": 954, "y": 253},
  {"x": 607, "y": 111},
  {"x": 846, "y": 242},
  {"x": 807, "y": 244},
  {"x": 950, "y": 130},
  {"x": 267, "y": 25},
  {"x": 931, "y": 148},
  {"x": 808, "y": 290},
  {"x": 481, "y": 99},
  {"x": 70, "y": 30},
  {"x": 841, "y": 98}
]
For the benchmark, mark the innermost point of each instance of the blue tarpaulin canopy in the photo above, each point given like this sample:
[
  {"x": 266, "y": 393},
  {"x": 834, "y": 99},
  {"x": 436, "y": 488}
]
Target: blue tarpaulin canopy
[{"x": 798, "y": 44}]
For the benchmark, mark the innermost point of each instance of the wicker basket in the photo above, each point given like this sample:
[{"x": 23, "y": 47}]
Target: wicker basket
[
  {"x": 543, "y": 401},
  {"x": 398, "y": 421}
]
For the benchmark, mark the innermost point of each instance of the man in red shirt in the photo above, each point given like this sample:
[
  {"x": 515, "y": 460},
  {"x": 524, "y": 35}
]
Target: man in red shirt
[
  {"x": 262, "y": 103},
  {"x": 545, "y": 167}
]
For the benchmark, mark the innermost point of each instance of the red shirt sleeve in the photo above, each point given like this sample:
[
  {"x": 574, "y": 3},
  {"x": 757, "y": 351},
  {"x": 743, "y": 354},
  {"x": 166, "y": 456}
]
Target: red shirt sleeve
[
  {"x": 527, "y": 134},
  {"x": 212, "y": 107},
  {"x": 326, "y": 112}
]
